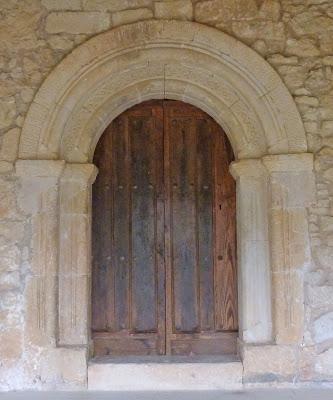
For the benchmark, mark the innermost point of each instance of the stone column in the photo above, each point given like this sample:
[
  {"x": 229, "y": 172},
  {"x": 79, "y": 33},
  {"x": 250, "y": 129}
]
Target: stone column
[
  {"x": 38, "y": 198},
  {"x": 75, "y": 254},
  {"x": 292, "y": 189},
  {"x": 254, "y": 278}
]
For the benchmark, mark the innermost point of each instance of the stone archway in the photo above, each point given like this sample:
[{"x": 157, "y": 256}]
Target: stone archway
[
  {"x": 156, "y": 59},
  {"x": 204, "y": 67}
]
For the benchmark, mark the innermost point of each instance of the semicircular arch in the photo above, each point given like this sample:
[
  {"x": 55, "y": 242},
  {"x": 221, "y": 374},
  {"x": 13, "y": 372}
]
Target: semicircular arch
[{"x": 161, "y": 59}]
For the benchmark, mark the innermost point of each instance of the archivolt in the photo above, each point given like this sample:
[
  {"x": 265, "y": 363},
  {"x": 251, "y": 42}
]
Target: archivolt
[{"x": 161, "y": 59}]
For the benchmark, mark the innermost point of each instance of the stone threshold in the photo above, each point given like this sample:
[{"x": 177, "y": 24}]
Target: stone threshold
[
  {"x": 156, "y": 373},
  {"x": 258, "y": 394}
]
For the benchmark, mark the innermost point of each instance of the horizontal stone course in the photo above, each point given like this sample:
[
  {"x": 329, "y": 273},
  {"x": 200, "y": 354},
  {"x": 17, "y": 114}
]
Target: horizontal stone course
[
  {"x": 129, "y": 16},
  {"x": 62, "y": 4},
  {"x": 77, "y": 22},
  {"x": 114, "y": 5},
  {"x": 177, "y": 9}
]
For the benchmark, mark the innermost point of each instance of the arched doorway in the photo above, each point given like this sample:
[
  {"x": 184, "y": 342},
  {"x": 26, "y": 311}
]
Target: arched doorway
[
  {"x": 107, "y": 74},
  {"x": 164, "y": 235}
]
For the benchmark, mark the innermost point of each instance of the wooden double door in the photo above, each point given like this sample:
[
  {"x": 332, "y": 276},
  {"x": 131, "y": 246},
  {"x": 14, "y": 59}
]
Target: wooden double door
[{"x": 164, "y": 241}]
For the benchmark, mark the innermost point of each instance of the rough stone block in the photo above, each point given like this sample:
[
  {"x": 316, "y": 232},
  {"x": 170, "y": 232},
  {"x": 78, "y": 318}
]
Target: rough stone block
[
  {"x": 9, "y": 145},
  {"x": 114, "y": 5},
  {"x": 8, "y": 207},
  {"x": 320, "y": 296},
  {"x": 272, "y": 33},
  {"x": 11, "y": 341},
  {"x": 269, "y": 363},
  {"x": 214, "y": 11},
  {"x": 270, "y": 9},
  {"x": 310, "y": 24},
  {"x": 129, "y": 16},
  {"x": 77, "y": 22},
  {"x": 177, "y": 9},
  {"x": 323, "y": 328},
  {"x": 324, "y": 365},
  {"x": 6, "y": 167},
  {"x": 63, "y": 369},
  {"x": 7, "y": 111},
  {"x": 302, "y": 48},
  {"x": 62, "y": 4},
  {"x": 60, "y": 43}
]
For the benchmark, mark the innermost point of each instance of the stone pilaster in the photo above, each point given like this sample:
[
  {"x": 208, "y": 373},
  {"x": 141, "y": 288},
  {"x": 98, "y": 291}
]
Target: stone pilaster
[
  {"x": 75, "y": 257},
  {"x": 254, "y": 279},
  {"x": 292, "y": 189},
  {"x": 38, "y": 198}
]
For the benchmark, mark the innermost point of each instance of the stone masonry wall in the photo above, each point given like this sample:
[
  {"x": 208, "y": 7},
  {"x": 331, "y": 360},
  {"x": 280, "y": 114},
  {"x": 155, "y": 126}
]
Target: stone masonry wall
[{"x": 294, "y": 36}]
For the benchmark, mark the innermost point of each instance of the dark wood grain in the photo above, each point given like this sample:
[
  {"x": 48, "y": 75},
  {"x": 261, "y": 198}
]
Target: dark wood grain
[
  {"x": 225, "y": 237},
  {"x": 164, "y": 235},
  {"x": 205, "y": 231}
]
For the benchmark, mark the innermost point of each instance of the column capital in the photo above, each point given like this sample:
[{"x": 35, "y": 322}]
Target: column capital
[
  {"x": 248, "y": 168},
  {"x": 81, "y": 173},
  {"x": 288, "y": 162},
  {"x": 39, "y": 168}
]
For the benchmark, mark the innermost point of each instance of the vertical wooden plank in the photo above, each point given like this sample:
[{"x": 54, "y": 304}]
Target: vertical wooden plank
[
  {"x": 205, "y": 223},
  {"x": 225, "y": 236},
  {"x": 144, "y": 289},
  {"x": 157, "y": 114},
  {"x": 169, "y": 301},
  {"x": 183, "y": 222},
  {"x": 120, "y": 225},
  {"x": 101, "y": 250}
]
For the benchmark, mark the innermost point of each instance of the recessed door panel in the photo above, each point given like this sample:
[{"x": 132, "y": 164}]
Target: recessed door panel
[{"x": 128, "y": 275}]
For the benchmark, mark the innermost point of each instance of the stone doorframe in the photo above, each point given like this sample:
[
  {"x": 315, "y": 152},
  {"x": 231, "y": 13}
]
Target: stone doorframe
[{"x": 211, "y": 70}]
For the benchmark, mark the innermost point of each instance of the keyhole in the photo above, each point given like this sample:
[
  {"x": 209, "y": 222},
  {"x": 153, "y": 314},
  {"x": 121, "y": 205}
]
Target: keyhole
[{"x": 220, "y": 206}]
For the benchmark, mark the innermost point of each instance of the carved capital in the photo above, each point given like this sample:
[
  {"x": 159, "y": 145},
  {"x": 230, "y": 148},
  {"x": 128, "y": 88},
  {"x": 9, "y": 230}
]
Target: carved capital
[
  {"x": 248, "y": 168},
  {"x": 289, "y": 162},
  {"x": 84, "y": 174},
  {"x": 39, "y": 168}
]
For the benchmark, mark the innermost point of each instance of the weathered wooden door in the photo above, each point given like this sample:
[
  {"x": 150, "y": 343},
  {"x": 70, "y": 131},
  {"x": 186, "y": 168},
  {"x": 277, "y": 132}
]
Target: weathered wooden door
[{"x": 164, "y": 241}]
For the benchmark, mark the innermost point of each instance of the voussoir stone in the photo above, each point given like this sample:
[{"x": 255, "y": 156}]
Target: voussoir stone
[{"x": 77, "y": 22}]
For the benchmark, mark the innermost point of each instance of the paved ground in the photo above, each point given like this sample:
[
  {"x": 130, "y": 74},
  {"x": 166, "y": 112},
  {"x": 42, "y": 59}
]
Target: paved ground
[{"x": 320, "y": 394}]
